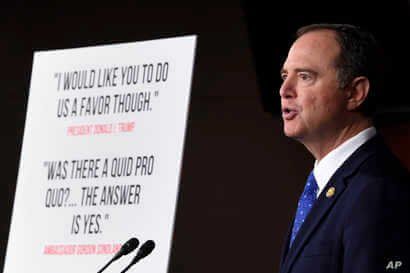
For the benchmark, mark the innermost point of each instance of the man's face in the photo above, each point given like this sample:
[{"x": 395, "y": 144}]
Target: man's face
[{"x": 313, "y": 106}]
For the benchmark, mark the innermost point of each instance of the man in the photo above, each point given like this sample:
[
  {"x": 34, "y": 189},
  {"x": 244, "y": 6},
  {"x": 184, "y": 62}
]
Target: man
[{"x": 353, "y": 216}]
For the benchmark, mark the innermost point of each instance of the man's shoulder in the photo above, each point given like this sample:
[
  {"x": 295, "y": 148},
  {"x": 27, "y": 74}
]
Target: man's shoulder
[
  {"x": 376, "y": 159},
  {"x": 382, "y": 165},
  {"x": 378, "y": 191},
  {"x": 376, "y": 169}
]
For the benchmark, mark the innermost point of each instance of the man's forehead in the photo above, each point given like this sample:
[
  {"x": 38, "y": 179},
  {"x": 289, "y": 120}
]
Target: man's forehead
[
  {"x": 317, "y": 41},
  {"x": 315, "y": 48}
]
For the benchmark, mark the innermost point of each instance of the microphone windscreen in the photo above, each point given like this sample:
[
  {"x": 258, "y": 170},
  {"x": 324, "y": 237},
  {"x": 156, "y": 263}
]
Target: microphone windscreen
[
  {"x": 145, "y": 249},
  {"x": 129, "y": 246}
]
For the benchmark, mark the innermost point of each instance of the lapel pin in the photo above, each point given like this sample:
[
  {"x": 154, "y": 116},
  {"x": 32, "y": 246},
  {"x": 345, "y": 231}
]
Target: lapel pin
[{"x": 330, "y": 192}]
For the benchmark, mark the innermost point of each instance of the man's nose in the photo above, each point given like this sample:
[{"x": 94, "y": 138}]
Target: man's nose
[{"x": 287, "y": 89}]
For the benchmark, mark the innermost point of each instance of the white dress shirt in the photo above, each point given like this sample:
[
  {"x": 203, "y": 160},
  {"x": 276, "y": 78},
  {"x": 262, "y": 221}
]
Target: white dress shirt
[{"x": 325, "y": 168}]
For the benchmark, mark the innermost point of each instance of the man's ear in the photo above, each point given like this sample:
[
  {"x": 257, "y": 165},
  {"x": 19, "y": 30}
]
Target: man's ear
[{"x": 357, "y": 92}]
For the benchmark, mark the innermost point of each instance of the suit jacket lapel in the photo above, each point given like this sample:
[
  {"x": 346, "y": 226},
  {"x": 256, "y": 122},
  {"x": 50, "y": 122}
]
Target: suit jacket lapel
[
  {"x": 317, "y": 213},
  {"x": 324, "y": 204}
]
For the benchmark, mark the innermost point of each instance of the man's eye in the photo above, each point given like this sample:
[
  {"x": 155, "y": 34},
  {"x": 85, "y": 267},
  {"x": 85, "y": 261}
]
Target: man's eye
[
  {"x": 305, "y": 76},
  {"x": 283, "y": 76}
]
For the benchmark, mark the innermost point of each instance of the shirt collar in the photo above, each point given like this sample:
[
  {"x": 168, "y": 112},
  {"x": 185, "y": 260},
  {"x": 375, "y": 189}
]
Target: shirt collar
[{"x": 325, "y": 168}]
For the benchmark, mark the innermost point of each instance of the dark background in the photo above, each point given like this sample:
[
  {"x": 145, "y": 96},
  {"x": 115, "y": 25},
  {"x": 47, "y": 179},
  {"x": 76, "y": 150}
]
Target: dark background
[{"x": 241, "y": 177}]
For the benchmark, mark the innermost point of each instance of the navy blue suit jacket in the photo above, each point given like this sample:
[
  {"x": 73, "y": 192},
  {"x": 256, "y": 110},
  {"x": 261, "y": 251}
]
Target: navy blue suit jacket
[{"x": 364, "y": 227}]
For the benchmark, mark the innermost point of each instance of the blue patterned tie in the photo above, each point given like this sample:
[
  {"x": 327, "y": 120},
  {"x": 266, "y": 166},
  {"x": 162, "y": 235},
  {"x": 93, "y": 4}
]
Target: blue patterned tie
[{"x": 306, "y": 201}]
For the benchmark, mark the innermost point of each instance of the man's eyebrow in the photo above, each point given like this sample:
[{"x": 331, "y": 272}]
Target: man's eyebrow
[
  {"x": 283, "y": 70},
  {"x": 306, "y": 70}
]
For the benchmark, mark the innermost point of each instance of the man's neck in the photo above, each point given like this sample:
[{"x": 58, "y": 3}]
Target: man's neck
[{"x": 326, "y": 144}]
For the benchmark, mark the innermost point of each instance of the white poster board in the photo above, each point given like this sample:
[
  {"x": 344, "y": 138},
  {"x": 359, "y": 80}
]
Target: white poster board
[{"x": 101, "y": 156}]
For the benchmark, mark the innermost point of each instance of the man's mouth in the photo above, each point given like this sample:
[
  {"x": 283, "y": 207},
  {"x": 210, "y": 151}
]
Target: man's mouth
[{"x": 289, "y": 113}]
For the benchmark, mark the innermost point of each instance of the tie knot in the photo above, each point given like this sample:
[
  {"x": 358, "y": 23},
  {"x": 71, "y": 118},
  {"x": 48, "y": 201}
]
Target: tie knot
[{"x": 311, "y": 186}]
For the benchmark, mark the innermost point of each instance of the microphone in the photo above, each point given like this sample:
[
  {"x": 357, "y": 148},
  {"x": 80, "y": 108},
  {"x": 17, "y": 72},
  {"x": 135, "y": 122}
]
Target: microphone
[
  {"x": 144, "y": 251},
  {"x": 126, "y": 248}
]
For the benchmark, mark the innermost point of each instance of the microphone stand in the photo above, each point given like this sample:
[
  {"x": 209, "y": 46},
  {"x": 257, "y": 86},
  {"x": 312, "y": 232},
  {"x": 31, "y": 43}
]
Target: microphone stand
[
  {"x": 105, "y": 266},
  {"x": 127, "y": 268}
]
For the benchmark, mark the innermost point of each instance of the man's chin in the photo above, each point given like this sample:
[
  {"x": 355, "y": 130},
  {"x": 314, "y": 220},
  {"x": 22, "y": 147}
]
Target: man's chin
[{"x": 292, "y": 133}]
